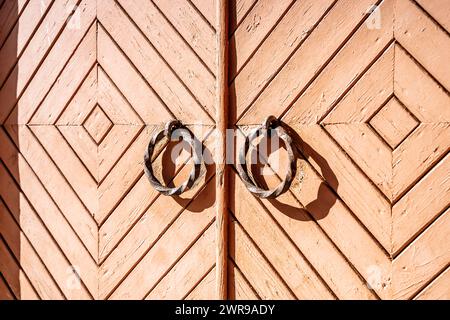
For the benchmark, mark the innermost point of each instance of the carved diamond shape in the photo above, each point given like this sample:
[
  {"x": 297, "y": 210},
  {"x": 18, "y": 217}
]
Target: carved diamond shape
[
  {"x": 394, "y": 123},
  {"x": 97, "y": 124}
]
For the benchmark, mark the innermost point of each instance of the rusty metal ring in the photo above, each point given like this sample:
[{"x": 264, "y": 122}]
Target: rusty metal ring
[
  {"x": 174, "y": 130},
  {"x": 270, "y": 124}
]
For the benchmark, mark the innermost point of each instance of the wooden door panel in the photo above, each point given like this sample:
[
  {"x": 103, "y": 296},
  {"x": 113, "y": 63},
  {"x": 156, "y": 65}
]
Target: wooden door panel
[
  {"x": 84, "y": 85},
  {"x": 365, "y": 217}
]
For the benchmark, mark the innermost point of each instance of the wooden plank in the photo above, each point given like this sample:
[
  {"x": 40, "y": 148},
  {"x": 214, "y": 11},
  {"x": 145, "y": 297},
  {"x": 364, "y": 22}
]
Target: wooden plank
[
  {"x": 253, "y": 29},
  {"x": 347, "y": 181},
  {"x": 70, "y": 167},
  {"x": 425, "y": 98},
  {"x": 81, "y": 103},
  {"x": 421, "y": 204},
  {"x": 83, "y": 145},
  {"x": 50, "y": 214},
  {"x": 293, "y": 29},
  {"x": 264, "y": 279},
  {"x": 54, "y": 61},
  {"x": 9, "y": 13},
  {"x": 130, "y": 82},
  {"x": 207, "y": 9},
  {"x": 175, "y": 50},
  {"x": 323, "y": 42},
  {"x": 221, "y": 118},
  {"x": 14, "y": 275},
  {"x": 439, "y": 289},
  {"x": 40, "y": 238},
  {"x": 426, "y": 145},
  {"x": 5, "y": 293},
  {"x": 423, "y": 259},
  {"x": 362, "y": 49},
  {"x": 438, "y": 10},
  {"x": 368, "y": 94},
  {"x": 417, "y": 33},
  {"x": 145, "y": 234},
  {"x": 183, "y": 277},
  {"x": 13, "y": 46},
  {"x": 197, "y": 33},
  {"x": 30, "y": 262},
  {"x": 68, "y": 81},
  {"x": 206, "y": 289},
  {"x": 152, "y": 67},
  {"x": 238, "y": 10},
  {"x": 278, "y": 248},
  {"x": 238, "y": 286},
  {"x": 370, "y": 153},
  {"x": 176, "y": 240},
  {"x": 113, "y": 103}
]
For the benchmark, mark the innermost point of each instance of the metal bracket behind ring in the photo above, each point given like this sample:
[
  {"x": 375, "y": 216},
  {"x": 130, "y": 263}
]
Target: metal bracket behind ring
[
  {"x": 174, "y": 129},
  {"x": 270, "y": 123}
]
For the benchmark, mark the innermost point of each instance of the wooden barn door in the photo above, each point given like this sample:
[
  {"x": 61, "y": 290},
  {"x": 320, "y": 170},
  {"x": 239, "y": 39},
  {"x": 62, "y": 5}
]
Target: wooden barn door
[
  {"x": 365, "y": 86},
  {"x": 84, "y": 85}
]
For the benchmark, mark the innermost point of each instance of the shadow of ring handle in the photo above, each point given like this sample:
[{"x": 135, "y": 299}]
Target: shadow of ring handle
[
  {"x": 174, "y": 129},
  {"x": 269, "y": 125}
]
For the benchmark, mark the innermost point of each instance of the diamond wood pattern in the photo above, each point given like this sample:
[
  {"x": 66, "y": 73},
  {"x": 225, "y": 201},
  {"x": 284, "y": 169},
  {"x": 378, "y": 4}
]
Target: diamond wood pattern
[
  {"x": 84, "y": 84},
  {"x": 366, "y": 90},
  {"x": 364, "y": 86}
]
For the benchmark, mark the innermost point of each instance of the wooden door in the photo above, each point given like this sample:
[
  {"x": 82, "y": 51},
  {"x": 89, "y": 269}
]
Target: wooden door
[{"x": 363, "y": 85}]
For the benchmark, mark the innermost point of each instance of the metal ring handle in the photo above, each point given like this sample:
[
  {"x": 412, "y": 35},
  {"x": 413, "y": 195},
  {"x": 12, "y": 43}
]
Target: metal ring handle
[
  {"x": 174, "y": 129},
  {"x": 270, "y": 123}
]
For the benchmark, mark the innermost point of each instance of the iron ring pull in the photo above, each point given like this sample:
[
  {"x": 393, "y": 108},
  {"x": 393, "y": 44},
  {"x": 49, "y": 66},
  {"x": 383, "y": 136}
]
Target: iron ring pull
[
  {"x": 271, "y": 123},
  {"x": 174, "y": 129}
]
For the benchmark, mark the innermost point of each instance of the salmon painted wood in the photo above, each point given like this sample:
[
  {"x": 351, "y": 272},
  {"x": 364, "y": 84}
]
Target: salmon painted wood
[{"x": 361, "y": 86}]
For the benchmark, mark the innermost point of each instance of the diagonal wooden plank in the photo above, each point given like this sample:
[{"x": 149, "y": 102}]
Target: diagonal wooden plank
[
  {"x": 82, "y": 103},
  {"x": 167, "y": 250},
  {"x": 85, "y": 148},
  {"x": 14, "y": 45},
  {"x": 40, "y": 238},
  {"x": 14, "y": 275},
  {"x": 68, "y": 81},
  {"x": 417, "y": 33},
  {"x": 264, "y": 279},
  {"x": 197, "y": 33},
  {"x": 113, "y": 103},
  {"x": 238, "y": 286},
  {"x": 53, "y": 63},
  {"x": 30, "y": 262},
  {"x": 9, "y": 13},
  {"x": 368, "y": 94},
  {"x": 50, "y": 214},
  {"x": 423, "y": 259},
  {"x": 424, "y": 147},
  {"x": 152, "y": 67},
  {"x": 425, "y": 98},
  {"x": 362, "y": 49},
  {"x": 322, "y": 44},
  {"x": 191, "y": 268},
  {"x": 438, "y": 11},
  {"x": 70, "y": 166},
  {"x": 278, "y": 248},
  {"x": 174, "y": 50},
  {"x": 421, "y": 204},
  {"x": 205, "y": 290},
  {"x": 439, "y": 289},
  {"x": 207, "y": 9},
  {"x": 347, "y": 181},
  {"x": 5, "y": 292},
  {"x": 255, "y": 27}
]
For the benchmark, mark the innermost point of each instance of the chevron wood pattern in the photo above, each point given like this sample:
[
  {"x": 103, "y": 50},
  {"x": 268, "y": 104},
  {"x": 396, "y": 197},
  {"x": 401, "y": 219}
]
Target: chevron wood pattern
[
  {"x": 84, "y": 84},
  {"x": 365, "y": 87}
]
